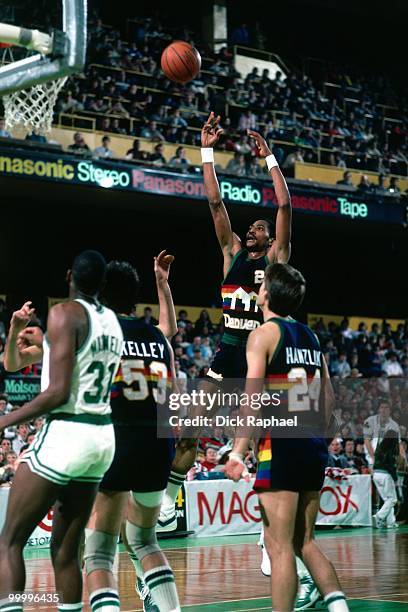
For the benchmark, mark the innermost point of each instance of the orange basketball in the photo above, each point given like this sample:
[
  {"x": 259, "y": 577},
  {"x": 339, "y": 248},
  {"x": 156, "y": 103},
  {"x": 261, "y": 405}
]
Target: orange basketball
[{"x": 180, "y": 62}]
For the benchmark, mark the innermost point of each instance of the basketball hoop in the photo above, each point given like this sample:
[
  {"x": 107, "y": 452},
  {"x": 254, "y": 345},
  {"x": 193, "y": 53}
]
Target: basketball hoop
[{"x": 30, "y": 109}]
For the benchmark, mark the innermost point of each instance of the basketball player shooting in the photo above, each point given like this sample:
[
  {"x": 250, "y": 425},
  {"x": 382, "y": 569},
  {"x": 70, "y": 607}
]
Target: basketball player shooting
[
  {"x": 244, "y": 263},
  {"x": 244, "y": 267}
]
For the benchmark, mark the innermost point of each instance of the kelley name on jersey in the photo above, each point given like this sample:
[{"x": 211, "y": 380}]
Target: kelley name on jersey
[{"x": 154, "y": 350}]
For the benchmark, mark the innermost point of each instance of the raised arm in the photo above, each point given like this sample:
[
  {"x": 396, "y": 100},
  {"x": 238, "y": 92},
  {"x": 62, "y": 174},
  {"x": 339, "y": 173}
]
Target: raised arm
[
  {"x": 62, "y": 334},
  {"x": 167, "y": 313},
  {"x": 229, "y": 242},
  {"x": 19, "y": 354},
  {"x": 281, "y": 247}
]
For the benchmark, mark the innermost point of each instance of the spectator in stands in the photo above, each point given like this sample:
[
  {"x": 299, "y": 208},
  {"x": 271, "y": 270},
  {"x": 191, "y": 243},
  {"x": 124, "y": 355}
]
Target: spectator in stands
[
  {"x": 393, "y": 187},
  {"x": 9, "y": 469},
  {"x": 151, "y": 132},
  {"x": 210, "y": 458},
  {"x": 352, "y": 461},
  {"x": 3, "y": 132},
  {"x": 21, "y": 437},
  {"x": 6, "y": 445},
  {"x": 79, "y": 145},
  {"x": 148, "y": 317},
  {"x": 116, "y": 127},
  {"x": 341, "y": 367},
  {"x": 179, "y": 160},
  {"x": 135, "y": 153},
  {"x": 67, "y": 104},
  {"x": 375, "y": 428},
  {"x": 364, "y": 184},
  {"x": 157, "y": 157},
  {"x": 118, "y": 109},
  {"x": 336, "y": 458},
  {"x": 391, "y": 366},
  {"x": 380, "y": 187},
  {"x": 291, "y": 160},
  {"x": 346, "y": 180},
  {"x": 254, "y": 168},
  {"x": 104, "y": 150},
  {"x": 236, "y": 165},
  {"x": 181, "y": 377},
  {"x": 175, "y": 120}
]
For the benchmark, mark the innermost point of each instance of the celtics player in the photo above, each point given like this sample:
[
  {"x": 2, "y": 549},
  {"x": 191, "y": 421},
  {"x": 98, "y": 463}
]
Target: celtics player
[
  {"x": 69, "y": 456},
  {"x": 147, "y": 367},
  {"x": 290, "y": 471}
]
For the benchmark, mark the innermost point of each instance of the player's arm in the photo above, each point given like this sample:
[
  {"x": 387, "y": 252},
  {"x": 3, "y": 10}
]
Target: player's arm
[
  {"x": 281, "y": 247},
  {"x": 368, "y": 436},
  {"x": 18, "y": 353},
  {"x": 229, "y": 242},
  {"x": 261, "y": 347},
  {"x": 174, "y": 380},
  {"x": 167, "y": 312},
  {"x": 62, "y": 335}
]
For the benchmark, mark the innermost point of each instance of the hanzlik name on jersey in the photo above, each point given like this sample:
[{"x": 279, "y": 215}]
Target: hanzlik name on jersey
[
  {"x": 237, "y": 323},
  {"x": 309, "y": 357}
]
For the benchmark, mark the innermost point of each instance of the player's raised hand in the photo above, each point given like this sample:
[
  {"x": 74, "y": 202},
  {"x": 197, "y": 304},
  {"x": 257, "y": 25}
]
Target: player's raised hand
[
  {"x": 30, "y": 336},
  {"x": 260, "y": 142},
  {"x": 22, "y": 317},
  {"x": 211, "y": 131},
  {"x": 162, "y": 265}
]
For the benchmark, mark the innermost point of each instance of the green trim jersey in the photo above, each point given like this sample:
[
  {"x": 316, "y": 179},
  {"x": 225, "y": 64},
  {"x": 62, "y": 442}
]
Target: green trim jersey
[
  {"x": 96, "y": 364},
  {"x": 239, "y": 291}
]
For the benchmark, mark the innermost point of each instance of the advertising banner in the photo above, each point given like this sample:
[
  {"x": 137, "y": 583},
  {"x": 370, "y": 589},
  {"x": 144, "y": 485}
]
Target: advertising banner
[{"x": 324, "y": 201}]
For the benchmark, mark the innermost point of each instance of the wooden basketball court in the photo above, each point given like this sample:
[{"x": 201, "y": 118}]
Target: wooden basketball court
[{"x": 222, "y": 574}]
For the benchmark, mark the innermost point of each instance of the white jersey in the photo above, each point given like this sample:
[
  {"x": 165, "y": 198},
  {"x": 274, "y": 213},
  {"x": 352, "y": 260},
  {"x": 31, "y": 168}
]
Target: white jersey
[{"x": 96, "y": 364}]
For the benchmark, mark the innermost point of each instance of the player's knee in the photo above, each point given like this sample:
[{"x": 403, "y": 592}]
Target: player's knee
[
  {"x": 185, "y": 445},
  {"x": 141, "y": 540},
  {"x": 100, "y": 550}
]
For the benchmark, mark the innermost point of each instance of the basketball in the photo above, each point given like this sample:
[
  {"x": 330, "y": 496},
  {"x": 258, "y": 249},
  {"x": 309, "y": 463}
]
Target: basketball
[{"x": 180, "y": 62}]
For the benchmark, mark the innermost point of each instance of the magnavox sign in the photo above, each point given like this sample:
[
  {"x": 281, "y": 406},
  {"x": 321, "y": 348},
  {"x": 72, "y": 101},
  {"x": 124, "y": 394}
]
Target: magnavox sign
[{"x": 116, "y": 175}]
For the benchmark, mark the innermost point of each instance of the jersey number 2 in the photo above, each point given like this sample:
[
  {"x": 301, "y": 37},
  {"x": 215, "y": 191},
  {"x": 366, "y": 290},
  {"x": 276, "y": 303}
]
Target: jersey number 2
[{"x": 303, "y": 395}]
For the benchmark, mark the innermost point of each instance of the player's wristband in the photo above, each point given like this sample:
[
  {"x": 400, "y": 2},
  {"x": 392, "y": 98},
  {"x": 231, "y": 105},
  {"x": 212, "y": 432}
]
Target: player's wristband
[
  {"x": 236, "y": 457},
  {"x": 207, "y": 155},
  {"x": 271, "y": 161}
]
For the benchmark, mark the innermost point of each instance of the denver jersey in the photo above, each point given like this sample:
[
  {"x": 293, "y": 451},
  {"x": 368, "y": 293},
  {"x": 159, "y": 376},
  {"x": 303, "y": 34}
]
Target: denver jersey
[
  {"x": 96, "y": 363},
  {"x": 144, "y": 374},
  {"x": 295, "y": 372},
  {"x": 297, "y": 461},
  {"x": 239, "y": 291}
]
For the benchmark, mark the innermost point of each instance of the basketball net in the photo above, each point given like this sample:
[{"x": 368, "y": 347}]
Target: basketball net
[{"x": 30, "y": 109}]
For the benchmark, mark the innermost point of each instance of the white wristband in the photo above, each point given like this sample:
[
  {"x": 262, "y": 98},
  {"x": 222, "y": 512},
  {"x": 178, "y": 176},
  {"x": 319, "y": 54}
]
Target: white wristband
[
  {"x": 270, "y": 161},
  {"x": 207, "y": 155},
  {"x": 236, "y": 457}
]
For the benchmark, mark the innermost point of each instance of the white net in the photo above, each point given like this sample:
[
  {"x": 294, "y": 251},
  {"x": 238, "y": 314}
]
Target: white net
[
  {"x": 29, "y": 109},
  {"x": 32, "y": 109}
]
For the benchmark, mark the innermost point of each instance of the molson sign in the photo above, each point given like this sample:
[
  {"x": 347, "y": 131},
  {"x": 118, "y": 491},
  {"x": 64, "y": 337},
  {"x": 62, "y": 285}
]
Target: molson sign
[{"x": 66, "y": 169}]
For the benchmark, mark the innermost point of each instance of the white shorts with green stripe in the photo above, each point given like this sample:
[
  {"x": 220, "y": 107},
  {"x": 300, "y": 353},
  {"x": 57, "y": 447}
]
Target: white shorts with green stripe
[{"x": 65, "y": 451}]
